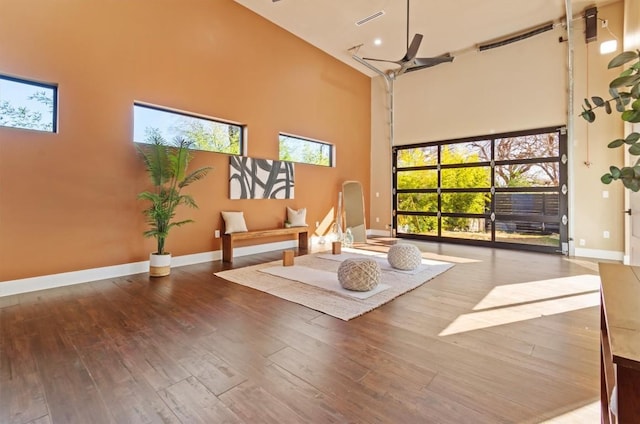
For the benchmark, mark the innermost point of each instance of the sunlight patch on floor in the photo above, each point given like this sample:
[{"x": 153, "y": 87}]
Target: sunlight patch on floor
[
  {"x": 439, "y": 257},
  {"x": 589, "y": 413},
  {"x": 524, "y": 301},
  {"x": 451, "y": 259},
  {"x": 511, "y": 294},
  {"x": 382, "y": 244},
  {"x": 590, "y": 264}
]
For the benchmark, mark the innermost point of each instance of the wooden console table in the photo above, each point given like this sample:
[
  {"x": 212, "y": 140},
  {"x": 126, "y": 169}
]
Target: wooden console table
[{"x": 620, "y": 341}]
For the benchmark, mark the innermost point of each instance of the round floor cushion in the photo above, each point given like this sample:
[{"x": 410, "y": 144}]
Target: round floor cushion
[
  {"x": 359, "y": 274},
  {"x": 404, "y": 256}
]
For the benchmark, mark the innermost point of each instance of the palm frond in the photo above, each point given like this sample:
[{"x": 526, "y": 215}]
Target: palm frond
[
  {"x": 156, "y": 159},
  {"x": 166, "y": 165},
  {"x": 196, "y": 175},
  {"x": 181, "y": 157},
  {"x": 180, "y": 223},
  {"x": 187, "y": 200}
]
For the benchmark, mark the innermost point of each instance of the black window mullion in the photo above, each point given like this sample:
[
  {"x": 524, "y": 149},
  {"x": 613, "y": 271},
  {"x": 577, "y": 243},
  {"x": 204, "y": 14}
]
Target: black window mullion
[
  {"x": 516, "y": 208},
  {"x": 564, "y": 191},
  {"x": 439, "y": 214},
  {"x": 394, "y": 191}
]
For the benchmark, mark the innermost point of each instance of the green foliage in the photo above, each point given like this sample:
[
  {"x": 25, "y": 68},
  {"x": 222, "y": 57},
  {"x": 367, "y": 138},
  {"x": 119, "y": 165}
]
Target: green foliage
[
  {"x": 166, "y": 165},
  {"x": 628, "y": 105},
  {"x": 285, "y": 151},
  {"x": 201, "y": 134},
  {"x": 211, "y": 136},
  {"x": 304, "y": 151},
  {"x": 470, "y": 177},
  {"x": 23, "y": 117},
  {"x": 314, "y": 155}
]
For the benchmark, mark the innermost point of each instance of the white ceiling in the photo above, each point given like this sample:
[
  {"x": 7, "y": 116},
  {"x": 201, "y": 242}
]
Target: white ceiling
[{"x": 452, "y": 26}]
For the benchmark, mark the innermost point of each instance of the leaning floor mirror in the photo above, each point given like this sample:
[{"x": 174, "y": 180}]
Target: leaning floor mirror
[{"x": 354, "y": 210}]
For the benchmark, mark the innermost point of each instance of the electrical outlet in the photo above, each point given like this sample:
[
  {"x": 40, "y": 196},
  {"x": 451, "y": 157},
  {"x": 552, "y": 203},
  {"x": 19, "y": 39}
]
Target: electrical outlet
[
  {"x": 605, "y": 234},
  {"x": 216, "y": 233},
  {"x": 605, "y": 23},
  {"x": 377, "y": 219},
  {"x": 582, "y": 242}
]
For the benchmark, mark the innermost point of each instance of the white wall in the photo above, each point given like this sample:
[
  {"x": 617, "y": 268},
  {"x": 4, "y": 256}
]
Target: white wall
[
  {"x": 631, "y": 41},
  {"x": 594, "y": 213},
  {"x": 514, "y": 87}
]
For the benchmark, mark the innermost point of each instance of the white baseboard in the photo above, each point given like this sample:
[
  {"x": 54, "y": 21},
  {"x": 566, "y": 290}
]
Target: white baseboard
[
  {"x": 610, "y": 255},
  {"x": 26, "y": 285},
  {"x": 44, "y": 282},
  {"x": 31, "y": 284},
  {"x": 195, "y": 258}
]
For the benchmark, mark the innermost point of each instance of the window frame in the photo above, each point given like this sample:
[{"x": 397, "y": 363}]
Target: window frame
[
  {"x": 242, "y": 129},
  {"x": 49, "y": 86},
  {"x": 491, "y": 215},
  {"x": 332, "y": 149}
]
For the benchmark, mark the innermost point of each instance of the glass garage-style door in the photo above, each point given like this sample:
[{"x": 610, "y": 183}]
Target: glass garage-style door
[{"x": 505, "y": 190}]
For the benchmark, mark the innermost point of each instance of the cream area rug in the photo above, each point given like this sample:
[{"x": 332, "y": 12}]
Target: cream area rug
[{"x": 313, "y": 282}]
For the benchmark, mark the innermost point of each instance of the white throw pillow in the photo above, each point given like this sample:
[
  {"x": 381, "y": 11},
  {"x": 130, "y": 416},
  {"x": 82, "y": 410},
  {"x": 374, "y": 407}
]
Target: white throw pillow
[
  {"x": 297, "y": 218},
  {"x": 234, "y": 222}
]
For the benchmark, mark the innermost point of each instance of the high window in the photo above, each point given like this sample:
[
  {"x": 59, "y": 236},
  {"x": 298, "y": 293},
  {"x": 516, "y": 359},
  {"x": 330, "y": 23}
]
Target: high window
[
  {"x": 204, "y": 133},
  {"x": 505, "y": 189},
  {"x": 28, "y": 104},
  {"x": 304, "y": 150}
]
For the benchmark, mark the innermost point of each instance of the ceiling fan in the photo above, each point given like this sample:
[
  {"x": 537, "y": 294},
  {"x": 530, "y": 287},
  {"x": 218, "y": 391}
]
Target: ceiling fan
[{"x": 410, "y": 62}]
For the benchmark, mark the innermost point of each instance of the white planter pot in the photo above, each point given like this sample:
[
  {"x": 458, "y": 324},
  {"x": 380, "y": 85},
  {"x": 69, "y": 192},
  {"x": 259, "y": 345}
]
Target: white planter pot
[{"x": 159, "y": 265}]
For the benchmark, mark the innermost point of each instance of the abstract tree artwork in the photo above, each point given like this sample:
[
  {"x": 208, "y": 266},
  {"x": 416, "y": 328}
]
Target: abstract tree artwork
[{"x": 260, "y": 178}]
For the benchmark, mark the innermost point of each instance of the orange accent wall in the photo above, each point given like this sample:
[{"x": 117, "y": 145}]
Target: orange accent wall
[{"x": 68, "y": 200}]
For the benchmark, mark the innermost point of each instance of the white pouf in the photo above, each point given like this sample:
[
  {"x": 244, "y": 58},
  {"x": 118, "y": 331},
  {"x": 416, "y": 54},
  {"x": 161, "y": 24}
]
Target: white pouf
[
  {"x": 359, "y": 274},
  {"x": 404, "y": 256}
]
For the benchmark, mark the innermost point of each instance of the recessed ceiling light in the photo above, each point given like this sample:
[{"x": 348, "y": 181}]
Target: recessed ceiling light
[{"x": 377, "y": 41}]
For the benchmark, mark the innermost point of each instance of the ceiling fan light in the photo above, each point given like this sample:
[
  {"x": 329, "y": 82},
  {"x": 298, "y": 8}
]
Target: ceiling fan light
[{"x": 377, "y": 41}]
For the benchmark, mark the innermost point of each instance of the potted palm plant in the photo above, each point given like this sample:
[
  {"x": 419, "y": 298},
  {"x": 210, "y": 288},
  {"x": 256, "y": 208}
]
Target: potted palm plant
[{"x": 166, "y": 164}]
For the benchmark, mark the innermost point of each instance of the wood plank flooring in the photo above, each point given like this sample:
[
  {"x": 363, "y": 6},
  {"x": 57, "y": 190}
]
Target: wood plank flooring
[{"x": 193, "y": 348}]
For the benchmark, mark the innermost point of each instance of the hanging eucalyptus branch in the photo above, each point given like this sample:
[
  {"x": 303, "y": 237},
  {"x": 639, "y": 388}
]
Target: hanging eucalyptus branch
[{"x": 625, "y": 93}]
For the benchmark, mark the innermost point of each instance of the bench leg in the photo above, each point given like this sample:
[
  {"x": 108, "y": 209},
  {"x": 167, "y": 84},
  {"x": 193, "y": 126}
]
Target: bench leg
[
  {"x": 303, "y": 240},
  {"x": 227, "y": 249}
]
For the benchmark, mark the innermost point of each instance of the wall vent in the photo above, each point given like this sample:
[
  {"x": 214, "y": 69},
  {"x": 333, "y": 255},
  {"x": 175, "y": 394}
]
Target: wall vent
[
  {"x": 519, "y": 37},
  {"x": 370, "y": 18}
]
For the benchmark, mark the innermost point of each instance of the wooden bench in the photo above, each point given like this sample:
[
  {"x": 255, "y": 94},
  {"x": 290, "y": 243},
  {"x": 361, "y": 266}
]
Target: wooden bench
[{"x": 229, "y": 239}]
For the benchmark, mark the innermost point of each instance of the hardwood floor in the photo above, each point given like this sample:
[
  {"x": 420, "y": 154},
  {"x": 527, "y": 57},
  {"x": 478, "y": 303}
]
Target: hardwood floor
[{"x": 502, "y": 337}]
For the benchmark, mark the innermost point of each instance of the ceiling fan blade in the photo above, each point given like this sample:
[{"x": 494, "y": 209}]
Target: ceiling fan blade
[
  {"x": 410, "y": 62},
  {"x": 412, "y": 51},
  {"x": 432, "y": 61},
  {"x": 427, "y": 62},
  {"x": 383, "y": 60}
]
